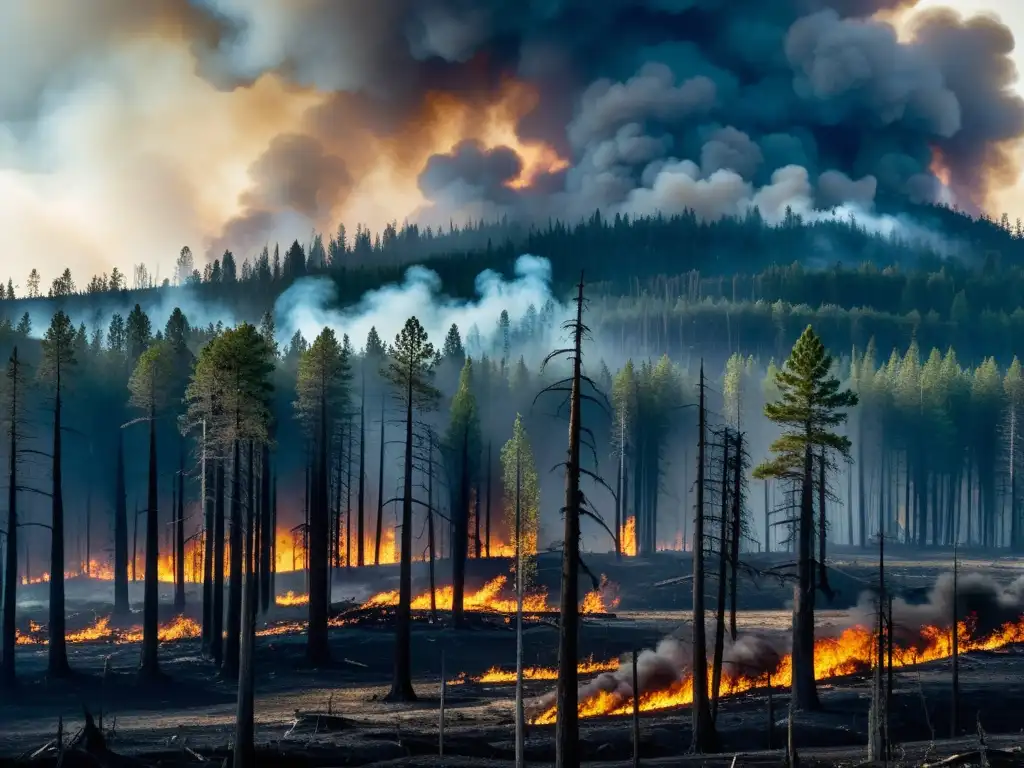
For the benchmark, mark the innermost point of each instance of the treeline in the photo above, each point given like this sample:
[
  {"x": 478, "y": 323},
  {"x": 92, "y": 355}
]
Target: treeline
[{"x": 616, "y": 253}]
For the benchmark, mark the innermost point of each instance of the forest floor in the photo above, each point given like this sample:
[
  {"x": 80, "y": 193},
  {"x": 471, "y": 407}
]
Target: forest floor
[{"x": 194, "y": 707}]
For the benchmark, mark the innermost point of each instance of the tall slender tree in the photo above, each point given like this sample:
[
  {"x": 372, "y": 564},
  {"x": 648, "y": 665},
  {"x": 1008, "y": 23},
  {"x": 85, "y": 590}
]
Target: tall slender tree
[
  {"x": 57, "y": 362},
  {"x": 13, "y": 407},
  {"x": 321, "y": 399},
  {"x": 409, "y": 372},
  {"x": 811, "y": 406},
  {"x": 149, "y": 394}
]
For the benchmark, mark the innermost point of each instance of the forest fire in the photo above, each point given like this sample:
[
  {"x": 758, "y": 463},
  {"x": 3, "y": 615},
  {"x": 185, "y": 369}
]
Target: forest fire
[
  {"x": 100, "y": 631},
  {"x": 588, "y": 666},
  {"x": 489, "y": 598},
  {"x": 627, "y": 537},
  {"x": 289, "y": 599},
  {"x": 846, "y": 654}
]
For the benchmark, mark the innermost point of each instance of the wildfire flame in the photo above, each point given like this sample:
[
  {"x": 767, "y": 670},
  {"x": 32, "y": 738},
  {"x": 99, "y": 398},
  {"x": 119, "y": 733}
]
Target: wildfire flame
[
  {"x": 627, "y": 537},
  {"x": 846, "y": 654},
  {"x": 489, "y": 598},
  {"x": 180, "y": 628},
  {"x": 588, "y": 666},
  {"x": 290, "y": 599}
]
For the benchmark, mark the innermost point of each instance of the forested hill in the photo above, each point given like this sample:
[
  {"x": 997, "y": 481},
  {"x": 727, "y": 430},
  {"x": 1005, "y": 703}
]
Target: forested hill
[{"x": 623, "y": 257}]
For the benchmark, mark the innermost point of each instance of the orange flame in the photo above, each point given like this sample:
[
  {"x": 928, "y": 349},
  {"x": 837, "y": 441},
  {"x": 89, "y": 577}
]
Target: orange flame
[
  {"x": 627, "y": 537},
  {"x": 939, "y": 167},
  {"x": 489, "y": 598},
  {"x": 290, "y": 599},
  {"x": 180, "y": 628},
  {"x": 846, "y": 654}
]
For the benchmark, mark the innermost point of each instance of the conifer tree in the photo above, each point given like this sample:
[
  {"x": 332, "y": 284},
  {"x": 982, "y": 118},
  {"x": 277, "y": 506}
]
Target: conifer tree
[{"x": 810, "y": 407}]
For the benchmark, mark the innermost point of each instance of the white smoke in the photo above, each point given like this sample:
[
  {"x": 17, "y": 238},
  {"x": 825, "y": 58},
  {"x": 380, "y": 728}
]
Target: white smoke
[{"x": 308, "y": 306}]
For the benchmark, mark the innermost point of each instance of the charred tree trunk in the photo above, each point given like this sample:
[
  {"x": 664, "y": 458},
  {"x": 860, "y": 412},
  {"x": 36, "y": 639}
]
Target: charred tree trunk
[
  {"x": 317, "y": 648},
  {"x": 244, "y": 752},
  {"x": 567, "y": 754},
  {"x": 217, "y": 624},
  {"x": 361, "y": 532},
  {"x": 401, "y": 684},
  {"x": 430, "y": 533},
  {"x": 205, "y": 492},
  {"x": 767, "y": 518},
  {"x": 234, "y": 620},
  {"x": 179, "y": 533},
  {"x": 121, "y": 606},
  {"x": 460, "y": 541},
  {"x": 723, "y": 574},
  {"x": 273, "y": 549},
  {"x": 705, "y": 739},
  {"x": 7, "y": 644},
  {"x": 804, "y": 690},
  {"x": 619, "y": 492},
  {"x": 380, "y": 489},
  {"x": 348, "y": 495},
  {"x": 57, "y": 658},
  {"x": 737, "y": 529},
  {"x": 478, "y": 548},
  {"x": 862, "y": 502},
  {"x": 149, "y": 666},
  {"x": 267, "y": 533},
  {"x": 487, "y": 513},
  {"x": 822, "y": 529}
]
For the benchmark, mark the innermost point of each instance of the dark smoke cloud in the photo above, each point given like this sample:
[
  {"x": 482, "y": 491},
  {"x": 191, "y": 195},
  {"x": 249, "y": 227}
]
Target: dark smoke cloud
[{"x": 714, "y": 104}]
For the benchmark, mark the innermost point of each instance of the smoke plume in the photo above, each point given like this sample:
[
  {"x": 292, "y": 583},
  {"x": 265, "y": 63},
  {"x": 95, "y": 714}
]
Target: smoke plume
[
  {"x": 980, "y": 599},
  {"x": 308, "y": 306},
  {"x": 132, "y": 127}
]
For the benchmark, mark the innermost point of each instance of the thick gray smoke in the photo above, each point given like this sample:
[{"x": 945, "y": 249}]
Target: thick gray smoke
[
  {"x": 307, "y": 307},
  {"x": 225, "y": 123},
  {"x": 981, "y": 600}
]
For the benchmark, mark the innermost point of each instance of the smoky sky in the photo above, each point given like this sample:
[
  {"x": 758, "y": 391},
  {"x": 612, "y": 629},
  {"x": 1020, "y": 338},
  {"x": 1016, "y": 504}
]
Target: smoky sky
[{"x": 649, "y": 103}]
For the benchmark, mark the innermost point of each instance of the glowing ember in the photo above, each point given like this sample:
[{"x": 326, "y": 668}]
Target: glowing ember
[
  {"x": 846, "y": 654},
  {"x": 287, "y": 628},
  {"x": 34, "y": 636},
  {"x": 181, "y": 628},
  {"x": 627, "y": 537},
  {"x": 290, "y": 598}
]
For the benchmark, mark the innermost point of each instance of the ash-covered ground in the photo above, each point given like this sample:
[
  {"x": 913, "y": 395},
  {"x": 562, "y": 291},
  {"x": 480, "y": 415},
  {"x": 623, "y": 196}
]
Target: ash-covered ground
[{"x": 194, "y": 707}]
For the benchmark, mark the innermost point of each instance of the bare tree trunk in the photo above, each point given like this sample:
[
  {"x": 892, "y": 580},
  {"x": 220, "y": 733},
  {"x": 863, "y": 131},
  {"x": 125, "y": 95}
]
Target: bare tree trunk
[
  {"x": 317, "y": 648},
  {"x": 121, "y": 606},
  {"x": 723, "y": 574},
  {"x": 8, "y": 628},
  {"x": 804, "y": 690},
  {"x": 244, "y": 752},
  {"x": 460, "y": 532},
  {"x": 567, "y": 694},
  {"x": 217, "y": 623},
  {"x": 273, "y": 527},
  {"x": 57, "y": 657},
  {"x": 361, "y": 533},
  {"x": 207, "y": 507},
  {"x": 520, "y": 715},
  {"x": 401, "y": 684},
  {"x": 705, "y": 739},
  {"x": 88, "y": 518},
  {"x": 179, "y": 533},
  {"x": 487, "y": 519},
  {"x": 234, "y": 620},
  {"x": 478, "y": 542},
  {"x": 822, "y": 529},
  {"x": 267, "y": 532},
  {"x": 619, "y": 489},
  {"x": 150, "y": 667},
  {"x": 954, "y": 720},
  {"x": 380, "y": 488},
  {"x": 430, "y": 533},
  {"x": 348, "y": 495},
  {"x": 734, "y": 539},
  {"x": 767, "y": 521}
]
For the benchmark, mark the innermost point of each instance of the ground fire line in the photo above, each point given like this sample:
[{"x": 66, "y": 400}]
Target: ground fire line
[{"x": 848, "y": 653}]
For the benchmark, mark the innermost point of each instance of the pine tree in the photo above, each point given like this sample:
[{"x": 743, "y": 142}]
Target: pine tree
[
  {"x": 810, "y": 406},
  {"x": 57, "y": 362},
  {"x": 522, "y": 494},
  {"x": 13, "y": 407},
  {"x": 322, "y": 392},
  {"x": 409, "y": 374},
  {"x": 461, "y": 447}
]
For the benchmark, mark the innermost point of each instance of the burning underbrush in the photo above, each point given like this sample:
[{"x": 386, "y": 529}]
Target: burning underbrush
[
  {"x": 101, "y": 631},
  {"x": 995, "y": 620},
  {"x": 490, "y": 598}
]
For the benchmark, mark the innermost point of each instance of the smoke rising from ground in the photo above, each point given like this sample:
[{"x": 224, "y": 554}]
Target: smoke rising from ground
[
  {"x": 133, "y": 128},
  {"x": 307, "y": 306},
  {"x": 980, "y": 598}
]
